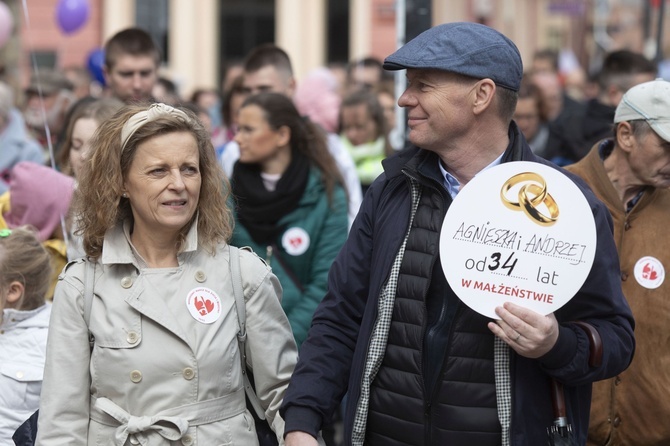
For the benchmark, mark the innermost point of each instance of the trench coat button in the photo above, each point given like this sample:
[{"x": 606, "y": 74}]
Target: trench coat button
[
  {"x": 127, "y": 282},
  {"x": 616, "y": 422},
  {"x": 187, "y": 440},
  {"x": 19, "y": 375},
  {"x": 132, "y": 337},
  {"x": 200, "y": 276},
  {"x": 626, "y": 226},
  {"x": 617, "y": 380},
  {"x": 136, "y": 376},
  {"x": 624, "y": 276},
  {"x": 188, "y": 373}
]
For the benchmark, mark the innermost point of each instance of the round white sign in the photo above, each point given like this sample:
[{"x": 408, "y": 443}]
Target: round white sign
[{"x": 518, "y": 232}]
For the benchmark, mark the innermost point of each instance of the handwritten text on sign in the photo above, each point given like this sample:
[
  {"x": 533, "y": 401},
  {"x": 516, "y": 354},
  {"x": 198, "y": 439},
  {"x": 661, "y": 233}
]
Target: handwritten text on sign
[{"x": 520, "y": 232}]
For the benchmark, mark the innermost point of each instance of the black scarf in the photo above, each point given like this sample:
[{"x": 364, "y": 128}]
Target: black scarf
[{"x": 259, "y": 209}]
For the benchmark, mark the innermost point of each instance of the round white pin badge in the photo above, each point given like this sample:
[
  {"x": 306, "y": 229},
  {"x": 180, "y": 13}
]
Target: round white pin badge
[
  {"x": 204, "y": 305},
  {"x": 295, "y": 241},
  {"x": 649, "y": 272}
]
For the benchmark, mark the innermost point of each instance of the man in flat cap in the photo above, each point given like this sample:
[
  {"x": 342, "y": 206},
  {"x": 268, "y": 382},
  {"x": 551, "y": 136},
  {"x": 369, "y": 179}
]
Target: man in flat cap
[
  {"x": 630, "y": 173},
  {"x": 418, "y": 366}
]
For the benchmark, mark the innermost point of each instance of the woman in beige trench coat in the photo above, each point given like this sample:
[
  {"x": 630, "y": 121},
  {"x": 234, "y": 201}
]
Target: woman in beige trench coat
[{"x": 164, "y": 368}]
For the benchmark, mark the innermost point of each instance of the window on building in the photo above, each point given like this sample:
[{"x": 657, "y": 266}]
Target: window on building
[
  {"x": 338, "y": 31},
  {"x": 44, "y": 59},
  {"x": 244, "y": 25},
  {"x": 152, "y": 16}
]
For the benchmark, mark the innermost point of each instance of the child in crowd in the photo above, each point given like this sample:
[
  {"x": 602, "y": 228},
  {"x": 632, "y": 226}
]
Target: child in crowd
[
  {"x": 83, "y": 120},
  {"x": 40, "y": 196},
  {"x": 25, "y": 271},
  {"x": 363, "y": 132}
]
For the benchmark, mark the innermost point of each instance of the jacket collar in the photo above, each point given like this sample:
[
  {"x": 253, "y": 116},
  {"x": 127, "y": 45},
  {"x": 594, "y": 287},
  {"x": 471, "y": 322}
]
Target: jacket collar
[
  {"x": 39, "y": 317},
  {"x": 117, "y": 248},
  {"x": 592, "y": 167}
]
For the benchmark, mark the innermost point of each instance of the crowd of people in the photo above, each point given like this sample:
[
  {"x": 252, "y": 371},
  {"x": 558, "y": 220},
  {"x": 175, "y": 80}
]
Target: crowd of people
[{"x": 132, "y": 218}]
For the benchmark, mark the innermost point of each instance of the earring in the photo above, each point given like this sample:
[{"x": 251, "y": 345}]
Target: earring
[{"x": 124, "y": 195}]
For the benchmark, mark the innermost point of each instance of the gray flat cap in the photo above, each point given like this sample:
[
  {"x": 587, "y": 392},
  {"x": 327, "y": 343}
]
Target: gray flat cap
[{"x": 466, "y": 48}]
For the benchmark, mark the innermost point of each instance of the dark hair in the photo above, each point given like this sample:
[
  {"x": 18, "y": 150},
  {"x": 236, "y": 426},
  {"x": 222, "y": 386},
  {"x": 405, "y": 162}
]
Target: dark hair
[
  {"x": 506, "y": 103},
  {"x": 168, "y": 84},
  {"x": 306, "y": 137},
  {"x": 265, "y": 55},
  {"x": 367, "y": 62},
  {"x": 375, "y": 110},
  {"x": 195, "y": 108},
  {"x": 133, "y": 41},
  {"x": 235, "y": 89},
  {"x": 171, "y": 95},
  {"x": 547, "y": 54},
  {"x": 195, "y": 96},
  {"x": 620, "y": 66},
  {"x": 527, "y": 89}
]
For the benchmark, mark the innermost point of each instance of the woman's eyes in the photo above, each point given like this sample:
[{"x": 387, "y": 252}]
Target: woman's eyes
[{"x": 188, "y": 170}]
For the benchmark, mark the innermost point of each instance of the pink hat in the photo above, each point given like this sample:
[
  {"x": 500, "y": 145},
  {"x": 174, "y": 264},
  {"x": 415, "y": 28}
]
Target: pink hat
[
  {"x": 316, "y": 97},
  {"x": 38, "y": 196}
]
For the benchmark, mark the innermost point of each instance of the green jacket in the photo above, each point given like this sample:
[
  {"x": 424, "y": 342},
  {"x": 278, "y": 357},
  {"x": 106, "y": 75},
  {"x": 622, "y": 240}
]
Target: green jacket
[{"x": 312, "y": 236}]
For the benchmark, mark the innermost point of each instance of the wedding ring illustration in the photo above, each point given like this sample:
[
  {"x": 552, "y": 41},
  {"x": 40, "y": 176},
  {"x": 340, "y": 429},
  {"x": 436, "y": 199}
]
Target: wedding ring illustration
[{"x": 532, "y": 194}]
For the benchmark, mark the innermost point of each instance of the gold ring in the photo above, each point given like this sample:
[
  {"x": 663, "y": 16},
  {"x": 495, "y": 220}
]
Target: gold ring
[
  {"x": 531, "y": 210},
  {"x": 520, "y": 178}
]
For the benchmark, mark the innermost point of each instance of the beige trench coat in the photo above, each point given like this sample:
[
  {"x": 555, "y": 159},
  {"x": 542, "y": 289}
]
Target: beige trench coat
[{"x": 161, "y": 373}]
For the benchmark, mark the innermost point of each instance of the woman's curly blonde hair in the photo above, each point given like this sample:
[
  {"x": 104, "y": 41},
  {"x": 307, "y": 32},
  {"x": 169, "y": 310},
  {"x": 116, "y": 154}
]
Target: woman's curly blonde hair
[{"x": 98, "y": 204}]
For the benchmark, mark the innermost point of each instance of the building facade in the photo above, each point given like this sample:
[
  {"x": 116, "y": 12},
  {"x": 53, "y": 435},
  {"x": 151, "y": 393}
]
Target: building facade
[{"x": 199, "y": 37}]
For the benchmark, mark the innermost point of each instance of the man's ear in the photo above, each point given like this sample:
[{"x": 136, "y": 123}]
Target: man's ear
[
  {"x": 625, "y": 138},
  {"x": 484, "y": 92},
  {"x": 15, "y": 292}
]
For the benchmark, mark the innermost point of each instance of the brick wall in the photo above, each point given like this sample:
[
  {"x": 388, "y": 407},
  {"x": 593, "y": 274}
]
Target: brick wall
[{"x": 43, "y": 34}]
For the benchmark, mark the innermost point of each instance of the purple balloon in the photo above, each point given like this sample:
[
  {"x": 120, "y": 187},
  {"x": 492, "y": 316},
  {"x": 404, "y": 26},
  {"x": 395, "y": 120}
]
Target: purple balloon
[{"x": 71, "y": 14}]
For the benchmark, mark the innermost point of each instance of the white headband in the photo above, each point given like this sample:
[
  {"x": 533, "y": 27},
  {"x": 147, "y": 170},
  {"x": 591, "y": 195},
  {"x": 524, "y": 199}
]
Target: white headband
[{"x": 154, "y": 112}]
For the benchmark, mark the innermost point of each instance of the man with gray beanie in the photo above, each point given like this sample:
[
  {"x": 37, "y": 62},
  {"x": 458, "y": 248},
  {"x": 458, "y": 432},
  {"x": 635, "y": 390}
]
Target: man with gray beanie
[
  {"x": 630, "y": 173},
  {"x": 419, "y": 367}
]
